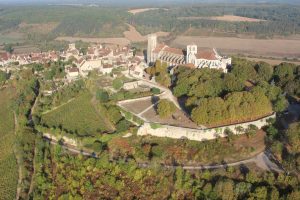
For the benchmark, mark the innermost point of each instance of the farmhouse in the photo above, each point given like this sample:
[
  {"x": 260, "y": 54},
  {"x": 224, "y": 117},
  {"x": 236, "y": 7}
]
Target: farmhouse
[{"x": 191, "y": 56}]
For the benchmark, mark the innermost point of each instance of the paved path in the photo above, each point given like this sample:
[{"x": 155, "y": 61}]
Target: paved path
[
  {"x": 149, "y": 108},
  {"x": 261, "y": 160}
]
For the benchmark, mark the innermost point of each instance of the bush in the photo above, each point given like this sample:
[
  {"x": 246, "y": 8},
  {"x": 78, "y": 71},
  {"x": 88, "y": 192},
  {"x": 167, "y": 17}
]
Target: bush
[
  {"x": 155, "y": 126},
  {"x": 155, "y": 90},
  {"x": 123, "y": 125},
  {"x": 117, "y": 84},
  {"x": 102, "y": 96},
  {"x": 99, "y": 146},
  {"x": 114, "y": 114},
  {"x": 165, "y": 108}
]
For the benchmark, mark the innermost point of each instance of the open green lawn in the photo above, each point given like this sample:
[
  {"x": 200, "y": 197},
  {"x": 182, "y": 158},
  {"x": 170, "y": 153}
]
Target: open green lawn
[
  {"x": 8, "y": 164},
  {"x": 78, "y": 116}
]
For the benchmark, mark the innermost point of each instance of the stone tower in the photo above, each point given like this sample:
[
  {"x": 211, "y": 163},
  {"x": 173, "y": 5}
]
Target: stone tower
[
  {"x": 72, "y": 46},
  {"x": 191, "y": 51},
  {"x": 152, "y": 43}
]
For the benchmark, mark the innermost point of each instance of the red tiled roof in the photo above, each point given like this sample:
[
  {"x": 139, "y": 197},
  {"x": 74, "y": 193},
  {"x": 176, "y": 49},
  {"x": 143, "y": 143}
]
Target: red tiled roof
[
  {"x": 208, "y": 55},
  {"x": 173, "y": 51},
  {"x": 158, "y": 48},
  {"x": 73, "y": 69},
  {"x": 4, "y": 56},
  {"x": 107, "y": 66}
]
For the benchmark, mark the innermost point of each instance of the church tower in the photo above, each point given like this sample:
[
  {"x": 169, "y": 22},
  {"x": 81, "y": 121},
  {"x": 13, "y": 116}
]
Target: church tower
[
  {"x": 191, "y": 51},
  {"x": 152, "y": 43}
]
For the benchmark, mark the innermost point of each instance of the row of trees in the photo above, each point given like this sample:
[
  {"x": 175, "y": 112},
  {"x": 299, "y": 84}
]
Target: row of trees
[
  {"x": 207, "y": 91},
  {"x": 287, "y": 76},
  {"x": 235, "y": 107}
]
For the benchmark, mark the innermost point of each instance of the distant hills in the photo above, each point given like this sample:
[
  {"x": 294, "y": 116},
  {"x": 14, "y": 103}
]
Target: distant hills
[{"x": 132, "y": 3}]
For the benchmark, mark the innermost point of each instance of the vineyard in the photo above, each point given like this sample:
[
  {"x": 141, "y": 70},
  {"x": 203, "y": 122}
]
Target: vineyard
[
  {"x": 78, "y": 117},
  {"x": 8, "y": 165}
]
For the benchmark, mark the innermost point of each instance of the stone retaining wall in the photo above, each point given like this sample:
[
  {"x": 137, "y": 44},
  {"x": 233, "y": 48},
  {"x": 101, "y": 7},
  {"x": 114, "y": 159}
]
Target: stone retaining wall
[{"x": 199, "y": 134}]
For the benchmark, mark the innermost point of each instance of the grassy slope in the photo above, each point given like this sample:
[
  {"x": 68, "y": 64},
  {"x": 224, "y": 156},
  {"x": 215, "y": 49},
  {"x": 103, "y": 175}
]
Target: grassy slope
[
  {"x": 8, "y": 165},
  {"x": 77, "y": 115}
]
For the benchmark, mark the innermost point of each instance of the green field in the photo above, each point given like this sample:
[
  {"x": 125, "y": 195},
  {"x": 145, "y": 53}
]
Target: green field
[
  {"x": 8, "y": 164},
  {"x": 79, "y": 116}
]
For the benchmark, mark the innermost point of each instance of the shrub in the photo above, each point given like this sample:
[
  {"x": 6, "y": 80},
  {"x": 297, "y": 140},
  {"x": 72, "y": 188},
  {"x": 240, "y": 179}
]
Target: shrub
[
  {"x": 165, "y": 108},
  {"x": 117, "y": 84},
  {"x": 102, "y": 95},
  {"x": 155, "y": 126},
  {"x": 155, "y": 90},
  {"x": 123, "y": 125}
]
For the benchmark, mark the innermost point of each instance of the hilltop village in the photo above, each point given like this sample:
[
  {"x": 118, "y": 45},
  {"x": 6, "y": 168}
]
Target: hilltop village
[
  {"x": 173, "y": 102},
  {"x": 105, "y": 58}
]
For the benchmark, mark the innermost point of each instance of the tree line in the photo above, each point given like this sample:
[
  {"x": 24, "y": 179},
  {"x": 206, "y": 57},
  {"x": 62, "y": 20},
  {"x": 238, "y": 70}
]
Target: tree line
[{"x": 248, "y": 90}]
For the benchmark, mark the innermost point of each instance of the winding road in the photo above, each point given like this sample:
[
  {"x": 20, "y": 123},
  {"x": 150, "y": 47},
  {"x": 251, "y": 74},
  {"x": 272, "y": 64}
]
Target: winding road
[{"x": 262, "y": 160}]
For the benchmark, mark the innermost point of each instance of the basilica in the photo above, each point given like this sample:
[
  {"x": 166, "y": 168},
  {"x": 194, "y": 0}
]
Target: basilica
[{"x": 190, "y": 57}]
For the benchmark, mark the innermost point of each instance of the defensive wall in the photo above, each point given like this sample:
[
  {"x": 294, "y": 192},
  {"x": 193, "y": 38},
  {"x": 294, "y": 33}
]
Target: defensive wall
[{"x": 160, "y": 130}]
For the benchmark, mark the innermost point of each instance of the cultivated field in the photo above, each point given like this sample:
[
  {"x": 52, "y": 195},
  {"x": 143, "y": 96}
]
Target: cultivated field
[
  {"x": 258, "y": 47},
  {"x": 26, "y": 49},
  {"x": 228, "y": 18},
  {"x": 78, "y": 116},
  {"x": 11, "y": 37},
  {"x": 141, "y": 10},
  {"x": 115, "y": 41},
  {"x": 42, "y": 28},
  {"x": 8, "y": 164},
  {"x": 134, "y": 36},
  {"x": 272, "y": 61}
]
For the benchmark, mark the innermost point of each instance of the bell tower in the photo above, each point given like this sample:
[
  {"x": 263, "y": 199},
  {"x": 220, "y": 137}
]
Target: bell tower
[
  {"x": 152, "y": 43},
  {"x": 191, "y": 51}
]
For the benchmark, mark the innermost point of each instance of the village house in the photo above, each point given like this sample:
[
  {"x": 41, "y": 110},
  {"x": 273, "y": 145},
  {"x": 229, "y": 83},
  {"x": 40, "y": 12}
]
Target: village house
[
  {"x": 136, "y": 67},
  {"x": 71, "y": 52},
  {"x": 72, "y": 73},
  {"x": 89, "y": 65},
  {"x": 5, "y": 58},
  {"x": 106, "y": 68}
]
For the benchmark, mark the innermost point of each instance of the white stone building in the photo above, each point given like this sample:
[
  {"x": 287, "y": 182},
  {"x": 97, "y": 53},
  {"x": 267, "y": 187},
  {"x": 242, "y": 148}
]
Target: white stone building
[
  {"x": 72, "y": 74},
  {"x": 89, "y": 65},
  {"x": 191, "y": 56}
]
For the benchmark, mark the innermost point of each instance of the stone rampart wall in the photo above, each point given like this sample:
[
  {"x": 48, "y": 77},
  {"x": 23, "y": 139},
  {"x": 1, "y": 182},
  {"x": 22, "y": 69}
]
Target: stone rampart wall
[{"x": 199, "y": 134}]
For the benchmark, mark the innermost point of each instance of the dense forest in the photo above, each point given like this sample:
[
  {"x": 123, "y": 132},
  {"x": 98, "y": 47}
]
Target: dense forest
[
  {"x": 280, "y": 20},
  {"x": 111, "y": 22},
  {"x": 250, "y": 90},
  {"x": 63, "y": 176}
]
